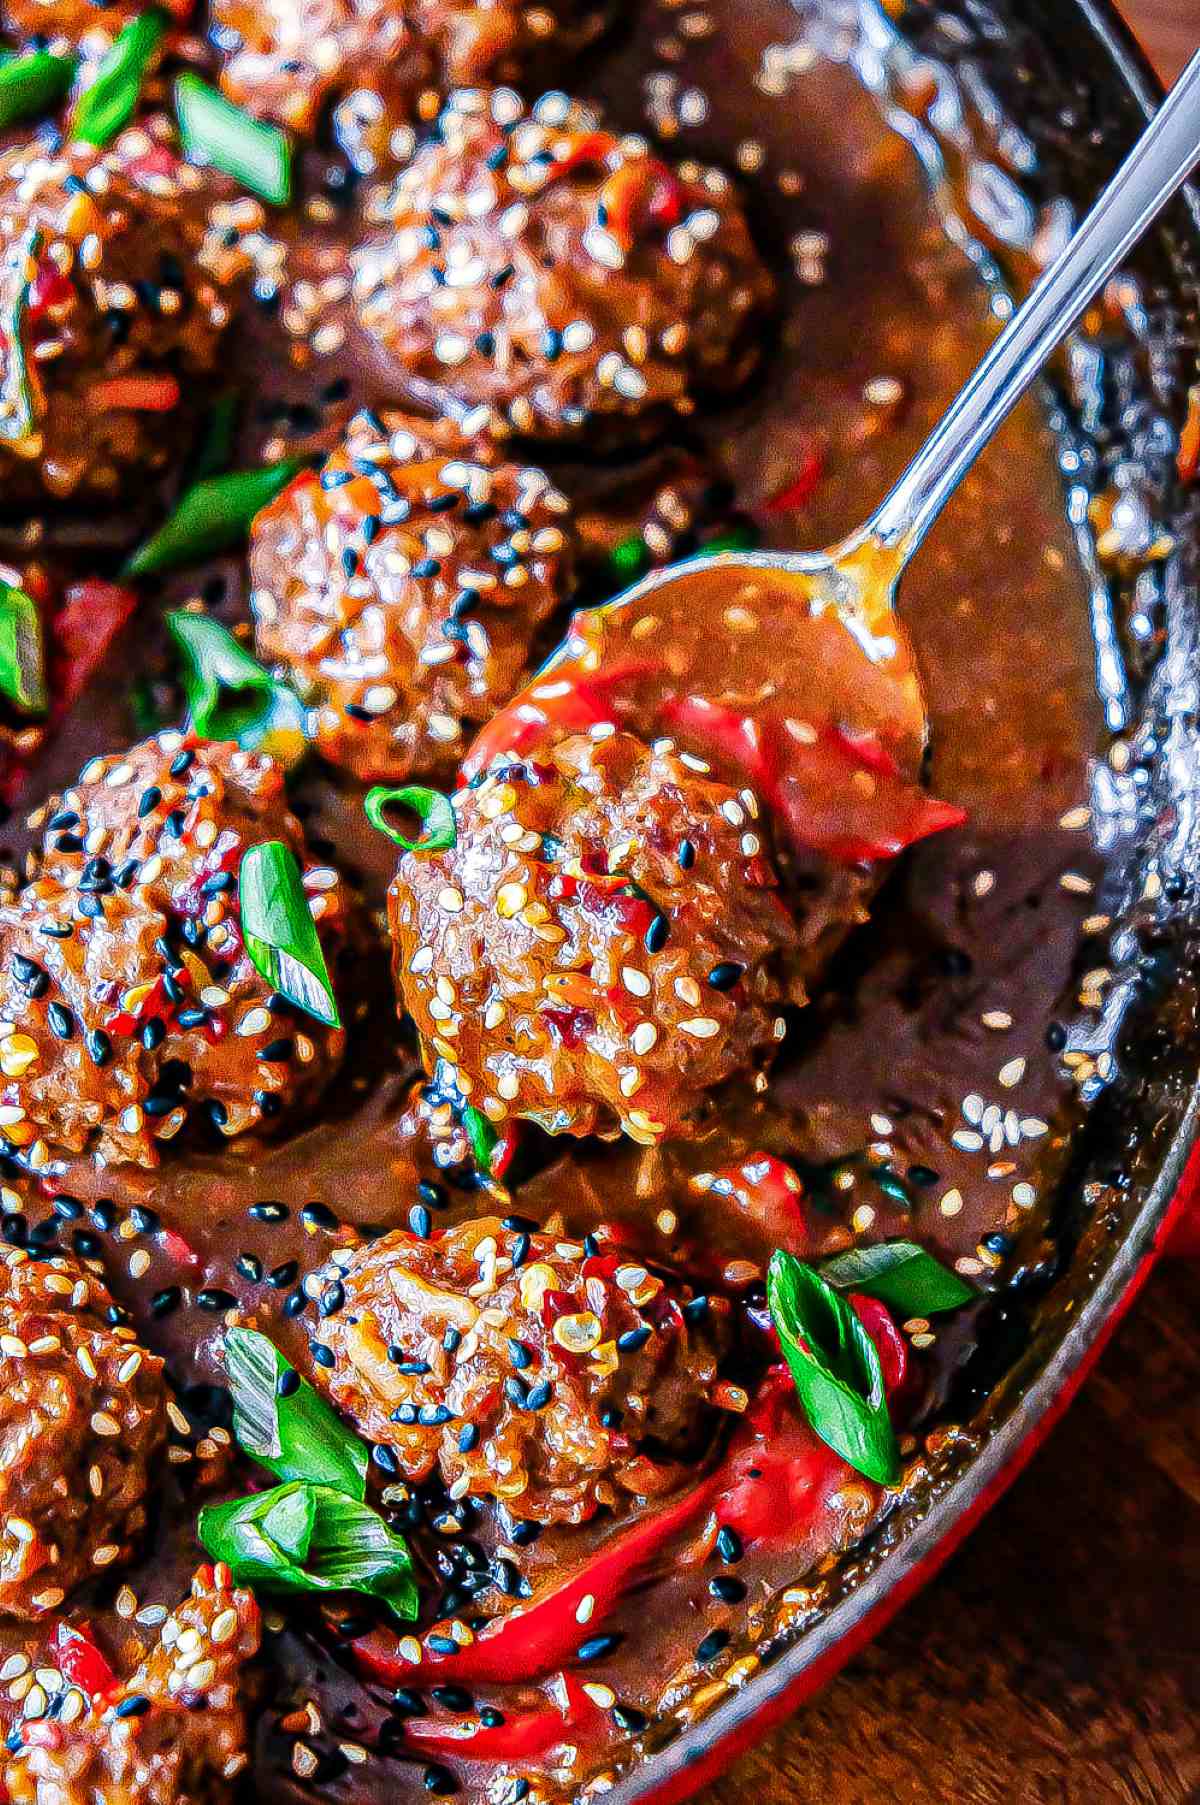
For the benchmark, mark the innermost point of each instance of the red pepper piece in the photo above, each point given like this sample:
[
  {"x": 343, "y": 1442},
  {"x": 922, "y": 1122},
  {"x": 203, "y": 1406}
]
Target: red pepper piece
[
  {"x": 81, "y": 1662},
  {"x": 810, "y": 787},
  {"x": 92, "y": 614},
  {"x": 581, "y": 148},
  {"x": 777, "y": 1479},
  {"x": 769, "y": 1192},
  {"x": 542, "y": 1635},
  {"x": 568, "y": 1715},
  {"x": 800, "y": 490}
]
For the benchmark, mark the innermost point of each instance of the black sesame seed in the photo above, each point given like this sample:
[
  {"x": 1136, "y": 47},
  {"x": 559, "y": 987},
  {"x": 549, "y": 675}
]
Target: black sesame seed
[
  {"x": 268, "y": 1212},
  {"x": 90, "y": 907},
  {"x": 295, "y": 1304},
  {"x": 136, "y": 1705},
  {"x": 525, "y": 1533},
  {"x": 250, "y": 1267},
  {"x": 656, "y": 934},
  {"x": 437, "y": 1779},
  {"x": 145, "y": 1220},
  {"x": 520, "y": 1250},
  {"x": 182, "y": 763},
  {"x": 516, "y": 1393},
  {"x": 332, "y": 1299},
  {"x": 174, "y": 824},
  {"x": 215, "y": 1299},
  {"x": 922, "y": 1176},
  {"x": 104, "y": 1215},
  {"x": 283, "y": 1275},
  {"x": 725, "y": 975},
  {"x": 415, "y": 1369},
  {"x": 1056, "y": 1037},
  {"x": 62, "y": 1022},
  {"x": 729, "y": 1545},
  {"x": 519, "y": 1353},
  {"x": 628, "y": 1717},
  {"x": 192, "y": 1018},
  {"x": 633, "y": 1339},
  {"x": 712, "y": 1645},
  {"x": 597, "y": 1647},
  {"x": 277, "y": 1052},
  {"x": 726, "y": 1588},
  {"x": 324, "y": 1356},
  {"x": 452, "y": 1340},
  {"x": 695, "y": 1309},
  {"x": 452, "y": 1698},
  {"x": 420, "y": 1221},
  {"x": 319, "y": 1215},
  {"x": 686, "y": 856},
  {"x": 288, "y": 1383},
  {"x": 383, "y": 1457},
  {"x": 153, "y": 1034},
  {"x": 149, "y": 801},
  {"x": 99, "y": 1046},
  {"x": 68, "y": 1208},
  {"x": 539, "y": 1396}
]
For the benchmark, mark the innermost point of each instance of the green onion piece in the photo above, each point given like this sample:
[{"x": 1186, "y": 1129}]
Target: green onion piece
[
  {"x": 835, "y": 1367},
  {"x": 629, "y": 558},
  {"x": 229, "y": 694},
  {"x": 435, "y": 812},
  {"x": 901, "y": 1275},
  {"x": 213, "y": 516},
  {"x": 214, "y": 131},
  {"x": 482, "y": 1136},
  {"x": 297, "y": 1435},
  {"x": 279, "y": 932},
  {"x": 304, "y": 1537},
  {"x": 105, "y": 107},
  {"x": 737, "y": 539},
  {"x": 18, "y": 415},
  {"x": 22, "y": 654},
  {"x": 30, "y": 84}
]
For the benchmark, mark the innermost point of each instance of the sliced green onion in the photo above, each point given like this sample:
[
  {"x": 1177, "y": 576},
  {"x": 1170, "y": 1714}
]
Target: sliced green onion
[
  {"x": 22, "y": 652},
  {"x": 482, "y": 1136},
  {"x": 214, "y": 131},
  {"x": 32, "y": 83},
  {"x": 304, "y": 1537},
  {"x": 737, "y": 539},
  {"x": 435, "y": 812},
  {"x": 279, "y": 932},
  {"x": 213, "y": 516},
  {"x": 901, "y": 1275},
  {"x": 229, "y": 694},
  {"x": 835, "y": 1367},
  {"x": 630, "y": 558},
  {"x": 294, "y": 1434},
  {"x": 17, "y": 419},
  {"x": 105, "y": 107}
]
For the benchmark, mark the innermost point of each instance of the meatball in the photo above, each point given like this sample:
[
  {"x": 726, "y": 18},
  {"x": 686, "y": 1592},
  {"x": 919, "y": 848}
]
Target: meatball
[
  {"x": 181, "y": 1737},
  {"x": 287, "y": 59},
  {"x": 604, "y": 942},
  {"x": 67, "y": 21},
  {"x": 545, "y": 276},
  {"x": 402, "y": 591},
  {"x": 108, "y": 311},
  {"x": 526, "y": 1369},
  {"x": 82, "y": 1416},
  {"x": 128, "y": 999}
]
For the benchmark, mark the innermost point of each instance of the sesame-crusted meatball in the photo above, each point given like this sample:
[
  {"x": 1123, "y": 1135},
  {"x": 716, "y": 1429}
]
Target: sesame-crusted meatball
[
  {"x": 173, "y": 1733},
  {"x": 570, "y": 1379},
  {"x": 401, "y": 592},
  {"x": 107, "y": 312},
  {"x": 82, "y": 1416},
  {"x": 548, "y": 277},
  {"x": 604, "y": 943},
  {"x": 288, "y": 59},
  {"x": 128, "y": 999}
]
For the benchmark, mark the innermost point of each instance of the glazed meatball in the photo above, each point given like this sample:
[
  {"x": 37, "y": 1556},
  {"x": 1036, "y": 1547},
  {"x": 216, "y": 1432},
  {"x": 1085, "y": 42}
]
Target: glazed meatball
[
  {"x": 570, "y": 1379},
  {"x": 401, "y": 592},
  {"x": 603, "y": 944},
  {"x": 82, "y": 1416},
  {"x": 542, "y": 275},
  {"x": 287, "y": 59},
  {"x": 181, "y": 1739},
  {"x": 112, "y": 311},
  {"x": 128, "y": 999}
]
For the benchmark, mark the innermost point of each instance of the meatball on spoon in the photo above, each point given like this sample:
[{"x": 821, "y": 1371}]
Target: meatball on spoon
[{"x": 792, "y": 668}]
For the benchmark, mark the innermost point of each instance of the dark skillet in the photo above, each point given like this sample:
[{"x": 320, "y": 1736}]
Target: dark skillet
[{"x": 1071, "y": 77}]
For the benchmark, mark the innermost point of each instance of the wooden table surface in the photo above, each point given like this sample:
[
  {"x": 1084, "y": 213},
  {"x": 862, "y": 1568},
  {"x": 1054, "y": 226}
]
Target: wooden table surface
[{"x": 1056, "y": 1659}]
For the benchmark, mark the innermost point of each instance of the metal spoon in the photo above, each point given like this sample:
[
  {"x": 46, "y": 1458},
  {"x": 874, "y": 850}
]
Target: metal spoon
[{"x": 793, "y": 667}]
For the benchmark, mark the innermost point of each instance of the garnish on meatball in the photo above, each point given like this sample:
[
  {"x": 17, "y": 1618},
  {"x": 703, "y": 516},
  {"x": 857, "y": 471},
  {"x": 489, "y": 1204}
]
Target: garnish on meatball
[
  {"x": 603, "y": 944},
  {"x": 173, "y": 1733},
  {"x": 128, "y": 997},
  {"x": 536, "y": 273},
  {"x": 402, "y": 590},
  {"x": 107, "y": 311},
  {"x": 533, "y": 1371},
  {"x": 82, "y": 1417}
]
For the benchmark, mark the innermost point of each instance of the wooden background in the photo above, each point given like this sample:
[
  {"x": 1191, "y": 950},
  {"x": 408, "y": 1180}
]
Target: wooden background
[{"x": 1056, "y": 1660}]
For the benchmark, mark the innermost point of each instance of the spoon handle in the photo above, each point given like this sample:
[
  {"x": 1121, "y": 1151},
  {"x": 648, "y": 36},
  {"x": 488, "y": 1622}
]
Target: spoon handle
[{"x": 1157, "y": 165}]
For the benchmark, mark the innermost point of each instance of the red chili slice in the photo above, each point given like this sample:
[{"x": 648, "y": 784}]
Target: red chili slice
[{"x": 81, "y": 1662}]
